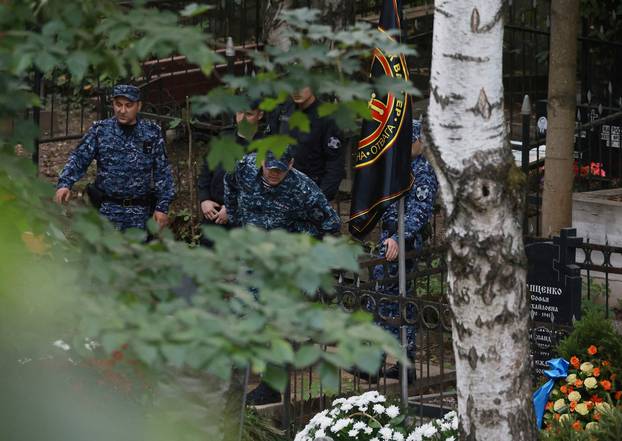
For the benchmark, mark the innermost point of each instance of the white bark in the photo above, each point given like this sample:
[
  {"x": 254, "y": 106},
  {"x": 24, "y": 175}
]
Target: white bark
[
  {"x": 481, "y": 191},
  {"x": 275, "y": 29}
]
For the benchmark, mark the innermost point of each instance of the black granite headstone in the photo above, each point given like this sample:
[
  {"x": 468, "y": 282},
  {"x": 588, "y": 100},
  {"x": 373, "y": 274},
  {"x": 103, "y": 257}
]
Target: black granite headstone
[{"x": 554, "y": 290}]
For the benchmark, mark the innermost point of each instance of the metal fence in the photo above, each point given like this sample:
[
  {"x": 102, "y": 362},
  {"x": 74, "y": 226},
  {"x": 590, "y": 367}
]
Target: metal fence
[{"x": 432, "y": 393}]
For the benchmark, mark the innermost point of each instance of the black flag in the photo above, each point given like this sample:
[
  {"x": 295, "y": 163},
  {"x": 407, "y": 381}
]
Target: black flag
[{"x": 382, "y": 161}]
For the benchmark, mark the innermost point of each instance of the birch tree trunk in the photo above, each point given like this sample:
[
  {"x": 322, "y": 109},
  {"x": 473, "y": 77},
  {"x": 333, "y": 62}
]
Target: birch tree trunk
[
  {"x": 274, "y": 28},
  {"x": 481, "y": 192},
  {"x": 558, "y": 175}
]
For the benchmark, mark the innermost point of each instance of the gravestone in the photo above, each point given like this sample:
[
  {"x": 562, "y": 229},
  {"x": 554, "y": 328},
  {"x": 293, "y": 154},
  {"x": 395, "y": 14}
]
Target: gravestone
[{"x": 554, "y": 291}]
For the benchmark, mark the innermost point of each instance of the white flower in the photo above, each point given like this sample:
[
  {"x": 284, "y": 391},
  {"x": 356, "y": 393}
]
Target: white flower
[
  {"x": 368, "y": 430},
  {"x": 359, "y": 425},
  {"x": 398, "y": 436},
  {"x": 340, "y": 424},
  {"x": 590, "y": 383},
  {"x": 353, "y": 433},
  {"x": 338, "y": 401},
  {"x": 319, "y": 434},
  {"x": 451, "y": 438},
  {"x": 374, "y": 439},
  {"x": 346, "y": 406},
  {"x": 386, "y": 433},
  {"x": 429, "y": 431},
  {"x": 379, "y": 409},
  {"x": 61, "y": 345},
  {"x": 393, "y": 411}
]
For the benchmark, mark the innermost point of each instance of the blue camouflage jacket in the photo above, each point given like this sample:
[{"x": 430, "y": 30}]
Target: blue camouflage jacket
[
  {"x": 418, "y": 205},
  {"x": 297, "y": 204},
  {"x": 130, "y": 163}
]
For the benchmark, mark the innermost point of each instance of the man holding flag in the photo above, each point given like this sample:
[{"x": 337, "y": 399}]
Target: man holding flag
[{"x": 383, "y": 174}]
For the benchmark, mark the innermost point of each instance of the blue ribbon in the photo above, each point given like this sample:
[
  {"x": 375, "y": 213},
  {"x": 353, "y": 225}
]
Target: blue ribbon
[{"x": 559, "y": 369}]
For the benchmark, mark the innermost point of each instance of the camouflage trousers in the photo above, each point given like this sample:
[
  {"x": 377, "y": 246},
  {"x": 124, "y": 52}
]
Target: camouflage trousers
[{"x": 126, "y": 217}]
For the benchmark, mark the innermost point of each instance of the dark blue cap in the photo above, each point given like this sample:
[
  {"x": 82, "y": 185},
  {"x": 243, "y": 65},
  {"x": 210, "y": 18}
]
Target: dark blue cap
[
  {"x": 128, "y": 91},
  {"x": 281, "y": 163}
]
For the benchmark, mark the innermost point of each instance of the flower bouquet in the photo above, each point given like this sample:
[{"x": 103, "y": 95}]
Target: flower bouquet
[
  {"x": 365, "y": 417},
  {"x": 588, "y": 390},
  {"x": 442, "y": 429}
]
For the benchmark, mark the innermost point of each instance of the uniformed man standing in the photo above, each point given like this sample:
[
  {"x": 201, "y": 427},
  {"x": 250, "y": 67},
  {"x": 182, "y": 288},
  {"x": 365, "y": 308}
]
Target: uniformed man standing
[
  {"x": 211, "y": 183},
  {"x": 319, "y": 154},
  {"x": 418, "y": 206},
  {"x": 134, "y": 179},
  {"x": 272, "y": 195}
]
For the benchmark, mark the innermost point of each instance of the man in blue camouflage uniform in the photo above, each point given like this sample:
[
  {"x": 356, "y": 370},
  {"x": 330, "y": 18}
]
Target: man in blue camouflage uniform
[
  {"x": 134, "y": 179},
  {"x": 272, "y": 195},
  {"x": 418, "y": 205}
]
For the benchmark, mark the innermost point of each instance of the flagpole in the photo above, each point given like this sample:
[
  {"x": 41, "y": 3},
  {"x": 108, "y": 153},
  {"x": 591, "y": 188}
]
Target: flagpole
[{"x": 402, "y": 293}]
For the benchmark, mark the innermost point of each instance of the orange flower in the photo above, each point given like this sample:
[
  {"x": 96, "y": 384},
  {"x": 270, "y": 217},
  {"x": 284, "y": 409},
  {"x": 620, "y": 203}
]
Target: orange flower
[
  {"x": 606, "y": 385},
  {"x": 564, "y": 389},
  {"x": 597, "y": 399},
  {"x": 596, "y": 372},
  {"x": 573, "y": 404},
  {"x": 557, "y": 416},
  {"x": 578, "y": 383},
  {"x": 575, "y": 362},
  {"x": 592, "y": 350},
  {"x": 549, "y": 405},
  {"x": 618, "y": 394},
  {"x": 589, "y": 404},
  {"x": 577, "y": 425},
  {"x": 596, "y": 416},
  {"x": 605, "y": 363}
]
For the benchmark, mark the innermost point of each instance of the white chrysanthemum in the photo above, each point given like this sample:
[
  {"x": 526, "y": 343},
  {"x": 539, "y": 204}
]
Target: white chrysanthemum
[
  {"x": 353, "y": 433},
  {"x": 359, "y": 425},
  {"x": 340, "y": 424},
  {"x": 379, "y": 409},
  {"x": 451, "y": 438},
  {"x": 386, "y": 433},
  {"x": 374, "y": 439},
  {"x": 338, "y": 401},
  {"x": 346, "y": 407},
  {"x": 397, "y": 436},
  {"x": 392, "y": 411},
  {"x": 368, "y": 430},
  {"x": 319, "y": 434},
  {"x": 429, "y": 431}
]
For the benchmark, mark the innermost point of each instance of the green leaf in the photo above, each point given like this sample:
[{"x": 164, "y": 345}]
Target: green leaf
[
  {"x": 274, "y": 143},
  {"x": 174, "y": 123},
  {"x": 326, "y": 109},
  {"x": 78, "y": 64},
  {"x": 113, "y": 341},
  {"x": 145, "y": 352},
  {"x": 307, "y": 355},
  {"x": 174, "y": 354},
  {"x": 276, "y": 376},
  {"x": 269, "y": 104},
  {"x": 397, "y": 420},
  {"x": 246, "y": 129},
  {"x": 282, "y": 351},
  {"x": 300, "y": 121},
  {"x": 45, "y": 61},
  {"x": 330, "y": 377},
  {"x": 225, "y": 151}
]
